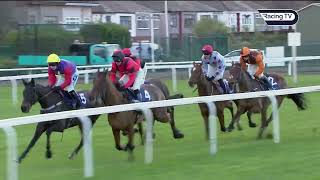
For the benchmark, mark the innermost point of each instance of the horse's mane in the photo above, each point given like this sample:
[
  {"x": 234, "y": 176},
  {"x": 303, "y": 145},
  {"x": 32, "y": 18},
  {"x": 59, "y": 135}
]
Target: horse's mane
[
  {"x": 209, "y": 85},
  {"x": 110, "y": 86}
]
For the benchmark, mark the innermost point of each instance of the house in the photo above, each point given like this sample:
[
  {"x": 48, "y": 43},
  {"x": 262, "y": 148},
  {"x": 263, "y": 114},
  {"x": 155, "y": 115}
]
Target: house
[
  {"x": 308, "y": 23},
  {"x": 239, "y": 16},
  {"x": 182, "y": 15},
  {"x": 55, "y": 12},
  {"x": 127, "y": 13}
]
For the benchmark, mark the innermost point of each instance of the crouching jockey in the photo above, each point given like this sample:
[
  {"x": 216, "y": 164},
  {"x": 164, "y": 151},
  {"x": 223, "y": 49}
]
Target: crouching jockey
[
  {"x": 128, "y": 70},
  {"x": 67, "y": 77},
  {"x": 213, "y": 66},
  {"x": 141, "y": 74},
  {"x": 254, "y": 59}
]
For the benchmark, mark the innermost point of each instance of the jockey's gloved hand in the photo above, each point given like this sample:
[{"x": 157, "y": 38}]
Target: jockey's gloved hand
[
  {"x": 57, "y": 88},
  {"x": 209, "y": 78},
  {"x": 121, "y": 88},
  {"x": 256, "y": 76},
  {"x": 117, "y": 85}
]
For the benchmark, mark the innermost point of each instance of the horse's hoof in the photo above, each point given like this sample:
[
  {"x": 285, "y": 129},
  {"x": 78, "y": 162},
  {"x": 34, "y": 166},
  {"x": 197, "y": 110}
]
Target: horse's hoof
[
  {"x": 223, "y": 129},
  {"x": 239, "y": 128},
  {"x": 120, "y": 148},
  {"x": 18, "y": 161},
  {"x": 230, "y": 129},
  {"x": 178, "y": 135},
  {"x": 252, "y": 125},
  {"x": 71, "y": 156},
  {"x": 48, "y": 154}
]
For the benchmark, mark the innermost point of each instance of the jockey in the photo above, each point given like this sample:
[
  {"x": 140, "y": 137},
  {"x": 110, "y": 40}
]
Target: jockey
[
  {"x": 141, "y": 75},
  {"x": 254, "y": 59},
  {"x": 213, "y": 66},
  {"x": 67, "y": 79},
  {"x": 128, "y": 69}
]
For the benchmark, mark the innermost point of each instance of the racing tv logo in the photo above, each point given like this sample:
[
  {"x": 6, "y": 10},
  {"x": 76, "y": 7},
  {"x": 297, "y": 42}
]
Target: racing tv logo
[{"x": 279, "y": 16}]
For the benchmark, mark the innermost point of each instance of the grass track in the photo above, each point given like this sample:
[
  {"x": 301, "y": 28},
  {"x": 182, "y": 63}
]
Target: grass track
[{"x": 239, "y": 155}]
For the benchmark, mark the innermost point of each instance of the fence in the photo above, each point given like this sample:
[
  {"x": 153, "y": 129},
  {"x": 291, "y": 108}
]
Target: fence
[
  {"x": 7, "y": 124},
  {"x": 164, "y": 65}
]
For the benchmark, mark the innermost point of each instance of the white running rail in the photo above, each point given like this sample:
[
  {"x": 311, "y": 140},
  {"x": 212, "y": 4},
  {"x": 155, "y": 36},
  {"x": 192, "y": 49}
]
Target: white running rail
[
  {"x": 161, "y": 65},
  {"x": 8, "y": 124}
]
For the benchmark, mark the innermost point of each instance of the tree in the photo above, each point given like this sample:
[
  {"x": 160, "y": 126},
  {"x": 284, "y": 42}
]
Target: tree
[
  {"x": 109, "y": 32},
  {"x": 209, "y": 27}
]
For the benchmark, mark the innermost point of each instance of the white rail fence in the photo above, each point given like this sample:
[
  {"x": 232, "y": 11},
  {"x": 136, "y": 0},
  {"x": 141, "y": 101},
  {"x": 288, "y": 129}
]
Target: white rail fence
[
  {"x": 160, "y": 65},
  {"x": 8, "y": 124}
]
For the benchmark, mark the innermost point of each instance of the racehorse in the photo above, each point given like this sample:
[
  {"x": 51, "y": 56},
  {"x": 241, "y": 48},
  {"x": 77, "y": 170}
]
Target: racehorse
[
  {"x": 164, "y": 88},
  {"x": 242, "y": 82},
  {"x": 206, "y": 88},
  {"x": 104, "y": 92},
  {"x": 51, "y": 101},
  {"x": 177, "y": 134}
]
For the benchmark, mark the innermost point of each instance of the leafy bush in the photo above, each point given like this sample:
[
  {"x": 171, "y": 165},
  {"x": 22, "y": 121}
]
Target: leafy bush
[
  {"x": 109, "y": 32},
  {"x": 210, "y": 27},
  {"x": 45, "y": 39}
]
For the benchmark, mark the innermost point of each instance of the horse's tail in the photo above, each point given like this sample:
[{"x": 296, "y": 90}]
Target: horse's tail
[
  {"x": 176, "y": 96},
  {"x": 299, "y": 99}
]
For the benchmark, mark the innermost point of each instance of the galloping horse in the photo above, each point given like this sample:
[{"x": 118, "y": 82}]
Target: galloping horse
[
  {"x": 105, "y": 92},
  {"x": 163, "y": 87},
  {"x": 242, "y": 82},
  {"x": 206, "y": 88},
  {"x": 51, "y": 101}
]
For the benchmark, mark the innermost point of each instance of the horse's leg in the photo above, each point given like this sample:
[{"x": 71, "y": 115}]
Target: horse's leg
[
  {"x": 205, "y": 117},
  {"x": 48, "y": 152},
  {"x": 39, "y": 130},
  {"x": 263, "y": 122},
  {"x": 236, "y": 118},
  {"x": 140, "y": 128},
  {"x": 130, "y": 145},
  {"x": 176, "y": 133},
  {"x": 77, "y": 149},
  {"x": 221, "y": 119},
  {"x": 116, "y": 136},
  {"x": 280, "y": 100},
  {"x": 251, "y": 124}
]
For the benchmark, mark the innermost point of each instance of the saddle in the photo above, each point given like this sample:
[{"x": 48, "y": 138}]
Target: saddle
[
  {"x": 143, "y": 95},
  {"x": 220, "y": 89}
]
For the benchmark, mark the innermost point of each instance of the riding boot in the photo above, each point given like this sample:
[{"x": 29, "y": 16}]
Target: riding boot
[
  {"x": 137, "y": 95},
  {"x": 266, "y": 82},
  {"x": 76, "y": 101},
  {"x": 223, "y": 86}
]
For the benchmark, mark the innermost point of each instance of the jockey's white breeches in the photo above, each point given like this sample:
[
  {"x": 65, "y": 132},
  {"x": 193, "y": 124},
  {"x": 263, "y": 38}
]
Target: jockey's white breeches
[
  {"x": 252, "y": 69},
  {"x": 73, "y": 83},
  {"x": 141, "y": 74},
  {"x": 211, "y": 72}
]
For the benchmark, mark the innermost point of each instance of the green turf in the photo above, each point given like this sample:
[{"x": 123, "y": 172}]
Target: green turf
[{"x": 239, "y": 155}]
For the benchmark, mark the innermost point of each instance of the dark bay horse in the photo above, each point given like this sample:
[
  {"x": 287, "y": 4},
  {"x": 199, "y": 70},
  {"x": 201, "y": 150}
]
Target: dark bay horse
[
  {"x": 242, "y": 82},
  {"x": 164, "y": 88},
  {"x": 50, "y": 101},
  {"x": 206, "y": 88},
  {"x": 104, "y": 92}
]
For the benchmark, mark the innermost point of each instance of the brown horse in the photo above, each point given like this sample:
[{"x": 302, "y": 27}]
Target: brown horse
[
  {"x": 206, "y": 88},
  {"x": 242, "y": 82},
  {"x": 104, "y": 92}
]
